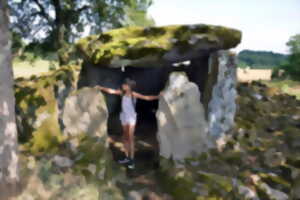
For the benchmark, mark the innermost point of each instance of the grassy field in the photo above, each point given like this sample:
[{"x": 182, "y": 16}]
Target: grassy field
[
  {"x": 26, "y": 69},
  {"x": 287, "y": 86}
]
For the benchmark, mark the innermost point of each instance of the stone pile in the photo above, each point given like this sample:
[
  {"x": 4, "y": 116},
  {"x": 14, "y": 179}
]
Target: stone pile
[{"x": 259, "y": 161}]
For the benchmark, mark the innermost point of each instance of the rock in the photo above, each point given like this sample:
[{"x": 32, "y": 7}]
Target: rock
[
  {"x": 134, "y": 195},
  {"x": 109, "y": 192},
  {"x": 222, "y": 106},
  {"x": 257, "y": 96},
  {"x": 74, "y": 144},
  {"x": 137, "y": 46},
  {"x": 248, "y": 193},
  {"x": 296, "y": 188},
  {"x": 31, "y": 163},
  {"x": 182, "y": 125},
  {"x": 273, "y": 158},
  {"x": 85, "y": 113},
  {"x": 272, "y": 193},
  {"x": 78, "y": 192},
  {"x": 62, "y": 161},
  {"x": 39, "y": 102},
  {"x": 92, "y": 168}
]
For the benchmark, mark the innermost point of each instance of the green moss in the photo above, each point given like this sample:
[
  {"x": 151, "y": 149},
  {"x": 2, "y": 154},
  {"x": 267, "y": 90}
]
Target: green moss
[
  {"x": 48, "y": 135},
  {"x": 37, "y": 108},
  {"x": 217, "y": 184},
  {"x": 136, "y": 42},
  {"x": 93, "y": 150},
  {"x": 179, "y": 187}
]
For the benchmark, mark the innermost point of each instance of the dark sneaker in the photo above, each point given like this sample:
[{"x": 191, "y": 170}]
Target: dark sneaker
[
  {"x": 131, "y": 165},
  {"x": 124, "y": 161}
]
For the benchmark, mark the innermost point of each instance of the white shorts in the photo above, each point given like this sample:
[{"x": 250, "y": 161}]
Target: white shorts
[{"x": 127, "y": 119}]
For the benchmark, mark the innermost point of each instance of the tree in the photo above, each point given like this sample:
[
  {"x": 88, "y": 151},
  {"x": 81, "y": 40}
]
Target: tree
[
  {"x": 55, "y": 22},
  {"x": 292, "y": 67},
  {"x": 137, "y": 15},
  {"x": 260, "y": 59},
  {"x": 8, "y": 132}
]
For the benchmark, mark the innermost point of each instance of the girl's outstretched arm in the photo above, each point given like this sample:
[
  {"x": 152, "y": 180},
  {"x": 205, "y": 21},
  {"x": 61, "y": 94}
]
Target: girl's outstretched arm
[
  {"x": 109, "y": 90},
  {"x": 145, "y": 97}
]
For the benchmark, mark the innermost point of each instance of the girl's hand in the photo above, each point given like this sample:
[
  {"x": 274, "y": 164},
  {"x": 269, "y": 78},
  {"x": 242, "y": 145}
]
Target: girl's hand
[{"x": 161, "y": 94}]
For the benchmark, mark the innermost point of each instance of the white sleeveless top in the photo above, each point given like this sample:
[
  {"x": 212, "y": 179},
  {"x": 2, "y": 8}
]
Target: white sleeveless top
[{"x": 128, "y": 106}]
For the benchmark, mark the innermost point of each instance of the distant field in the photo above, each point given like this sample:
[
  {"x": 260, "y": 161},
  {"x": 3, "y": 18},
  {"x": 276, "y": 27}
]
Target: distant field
[
  {"x": 26, "y": 69},
  {"x": 248, "y": 75},
  {"x": 287, "y": 86}
]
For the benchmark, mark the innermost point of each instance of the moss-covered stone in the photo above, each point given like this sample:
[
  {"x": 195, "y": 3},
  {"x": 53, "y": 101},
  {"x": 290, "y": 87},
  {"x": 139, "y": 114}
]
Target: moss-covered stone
[
  {"x": 38, "y": 104},
  {"x": 136, "y": 45},
  {"x": 259, "y": 161}
]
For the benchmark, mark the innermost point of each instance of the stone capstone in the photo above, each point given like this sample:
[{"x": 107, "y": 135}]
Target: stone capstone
[
  {"x": 155, "y": 46},
  {"x": 183, "y": 130}
]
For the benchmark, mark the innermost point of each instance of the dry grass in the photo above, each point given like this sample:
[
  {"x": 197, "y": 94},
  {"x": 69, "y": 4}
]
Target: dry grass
[
  {"x": 286, "y": 86},
  {"x": 27, "y": 69},
  {"x": 248, "y": 75}
]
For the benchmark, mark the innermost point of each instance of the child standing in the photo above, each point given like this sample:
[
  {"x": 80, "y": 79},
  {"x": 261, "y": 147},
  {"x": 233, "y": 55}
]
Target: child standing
[{"x": 128, "y": 116}]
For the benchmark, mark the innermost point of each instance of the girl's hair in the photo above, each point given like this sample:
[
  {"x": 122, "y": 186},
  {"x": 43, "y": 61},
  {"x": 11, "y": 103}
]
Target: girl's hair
[{"x": 131, "y": 83}]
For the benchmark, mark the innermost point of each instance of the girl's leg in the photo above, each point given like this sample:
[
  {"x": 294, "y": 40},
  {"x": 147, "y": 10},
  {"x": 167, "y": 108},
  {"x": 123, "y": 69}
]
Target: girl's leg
[
  {"x": 131, "y": 140},
  {"x": 125, "y": 136}
]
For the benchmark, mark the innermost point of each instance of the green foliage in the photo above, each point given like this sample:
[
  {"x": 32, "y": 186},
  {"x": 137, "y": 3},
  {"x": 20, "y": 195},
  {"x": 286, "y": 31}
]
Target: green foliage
[
  {"x": 56, "y": 22},
  {"x": 260, "y": 59},
  {"x": 17, "y": 43},
  {"x": 136, "y": 15},
  {"x": 292, "y": 67}
]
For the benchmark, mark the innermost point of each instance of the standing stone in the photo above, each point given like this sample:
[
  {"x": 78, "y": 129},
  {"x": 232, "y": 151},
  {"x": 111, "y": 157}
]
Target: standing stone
[
  {"x": 85, "y": 112},
  {"x": 222, "y": 106},
  {"x": 183, "y": 130},
  {"x": 9, "y": 176}
]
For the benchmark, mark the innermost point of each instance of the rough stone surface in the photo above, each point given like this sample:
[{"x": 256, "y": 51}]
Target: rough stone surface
[
  {"x": 183, "y": 130},
  {"x": 137, "y": 46},
  {"x": 85, "y": 112},
  {"x": 222, "y": 106},
  {"x": 39, "y": 104},
  {"x": 62, "y": 161}
]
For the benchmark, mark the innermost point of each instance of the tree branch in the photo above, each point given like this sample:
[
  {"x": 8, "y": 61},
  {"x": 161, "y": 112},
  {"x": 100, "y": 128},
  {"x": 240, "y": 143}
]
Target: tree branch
[
  {"x": 82, "y": 8},
  {"x": 42, "y": 11}
]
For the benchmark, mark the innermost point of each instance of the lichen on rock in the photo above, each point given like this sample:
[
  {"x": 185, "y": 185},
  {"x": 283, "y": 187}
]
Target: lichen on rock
[
  {"x": 136, "y": 46},
  {"x": 38, "y": 105},
  {"x": 85, "y": 112},
  {"x": 183, "y": 130}
]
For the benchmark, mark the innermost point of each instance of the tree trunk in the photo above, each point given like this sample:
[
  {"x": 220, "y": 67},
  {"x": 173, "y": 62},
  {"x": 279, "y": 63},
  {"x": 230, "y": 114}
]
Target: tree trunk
[
  {"x": 9, "y": 176},
  {"x": 60, "y": 29},
  {"x": 59, "y": 25}
]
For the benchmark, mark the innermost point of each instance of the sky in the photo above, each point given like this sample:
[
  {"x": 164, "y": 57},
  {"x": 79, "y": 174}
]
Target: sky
[{"x": 266, "y": 24}]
